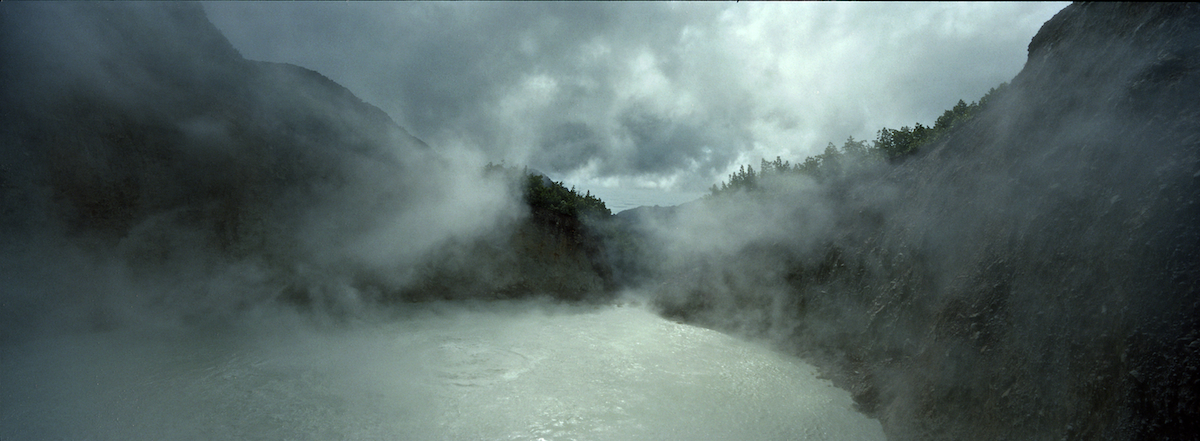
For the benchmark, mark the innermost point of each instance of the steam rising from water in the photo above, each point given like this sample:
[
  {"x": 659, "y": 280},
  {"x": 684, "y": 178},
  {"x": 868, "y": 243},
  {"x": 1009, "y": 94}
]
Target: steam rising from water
[
  {"x": 497, "y": 371},
  {"x": 157, "y": 218},
  {"x": 154, "y": 217}
]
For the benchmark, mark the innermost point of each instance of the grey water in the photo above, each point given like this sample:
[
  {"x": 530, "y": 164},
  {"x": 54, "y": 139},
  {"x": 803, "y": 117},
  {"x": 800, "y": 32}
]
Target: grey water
[{"x": 504, "y": 371}]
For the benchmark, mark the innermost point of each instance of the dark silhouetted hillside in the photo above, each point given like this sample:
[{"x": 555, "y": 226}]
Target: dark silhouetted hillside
[
  {"x": 147, "y": 165},
  {"x": 1032, "y": 274}
]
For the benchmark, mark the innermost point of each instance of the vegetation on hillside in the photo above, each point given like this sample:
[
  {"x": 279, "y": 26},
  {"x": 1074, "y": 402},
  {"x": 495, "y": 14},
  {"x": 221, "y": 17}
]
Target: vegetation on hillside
[
  {"x": 542, "y": 194},
  {"x": 890, "y": 145}
]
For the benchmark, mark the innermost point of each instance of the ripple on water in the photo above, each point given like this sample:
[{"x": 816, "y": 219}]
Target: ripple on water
[
  {"x": 597, "y": 374},
  {"x": 463, "y": 362}
]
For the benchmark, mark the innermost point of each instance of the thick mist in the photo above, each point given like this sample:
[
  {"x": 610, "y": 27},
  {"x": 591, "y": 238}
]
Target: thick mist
[
  {"x": 509, "y": 370},
  {"x": 1032, "y": 275},
  {"x": 461, "y": 370},
  {"x": 200, "y": 245},
  {"x": 151, "y": 173}
]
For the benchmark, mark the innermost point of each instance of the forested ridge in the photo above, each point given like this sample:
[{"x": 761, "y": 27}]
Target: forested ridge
[
  {"x": 890, "y": 146},
  {"x": 1024, "y": 268}
]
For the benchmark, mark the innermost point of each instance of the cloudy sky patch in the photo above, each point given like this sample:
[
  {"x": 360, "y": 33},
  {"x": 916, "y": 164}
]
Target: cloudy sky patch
[{"x": 663, "y": 96}]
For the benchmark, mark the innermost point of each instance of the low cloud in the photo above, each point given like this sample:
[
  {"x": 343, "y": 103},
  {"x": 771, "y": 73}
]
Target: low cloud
[{"x": 639, "y": 93}]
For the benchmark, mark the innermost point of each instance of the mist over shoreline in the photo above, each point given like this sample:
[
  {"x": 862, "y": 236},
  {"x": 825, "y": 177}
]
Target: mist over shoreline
[
  {"x": 165, "y": 175},
  {"x": 1042, "y": 252},
  {"x": 1031, "y": 272}
]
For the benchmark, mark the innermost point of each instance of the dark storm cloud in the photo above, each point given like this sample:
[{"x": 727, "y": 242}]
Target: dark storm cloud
[
  {"x": 645, "y": 94},
  {"x": 663, "y": 145},
  {"x": 571, "y": 143}
]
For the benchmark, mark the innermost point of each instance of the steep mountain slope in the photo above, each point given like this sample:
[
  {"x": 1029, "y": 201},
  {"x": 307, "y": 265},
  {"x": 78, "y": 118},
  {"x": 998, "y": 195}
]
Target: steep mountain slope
[
  {"x": 1034, "y": 275},
  {"x": 1063, "y": 226},
  {"x": 151, "y": 171},
  {"x": 122, "y": 112}
]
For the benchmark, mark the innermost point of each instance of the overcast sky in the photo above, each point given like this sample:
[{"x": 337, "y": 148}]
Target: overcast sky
[{"x": 653, "y": 96}]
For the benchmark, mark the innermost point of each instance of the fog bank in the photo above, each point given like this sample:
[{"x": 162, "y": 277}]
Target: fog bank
[
  {"x": 1030, "y": 275},
  {"x": 149, "y": 169},
  {"x": 492, "y": 371},
  {"x": 178, "y": 223}
]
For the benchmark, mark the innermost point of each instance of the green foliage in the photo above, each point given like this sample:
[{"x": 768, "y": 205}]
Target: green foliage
[
  {"x": 892, "y": 145},
  {"x": 899, "y": 143},
  {"x": 991, "y": 94},
  {"x": 543, "y": 194},
  {"x": 832, "y": 161},
  {"x": 743, "y": 179}
]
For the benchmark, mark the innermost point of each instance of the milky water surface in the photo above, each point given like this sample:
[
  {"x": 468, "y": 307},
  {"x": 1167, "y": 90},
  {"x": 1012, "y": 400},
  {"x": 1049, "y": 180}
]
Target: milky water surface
[{"x": 511, "y": 373}]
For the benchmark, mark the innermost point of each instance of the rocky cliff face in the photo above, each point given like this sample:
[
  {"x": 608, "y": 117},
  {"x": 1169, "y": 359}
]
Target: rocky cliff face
[
  {"x": 1032, "y": 276},
  {"x": 1062, "y": 228}
]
